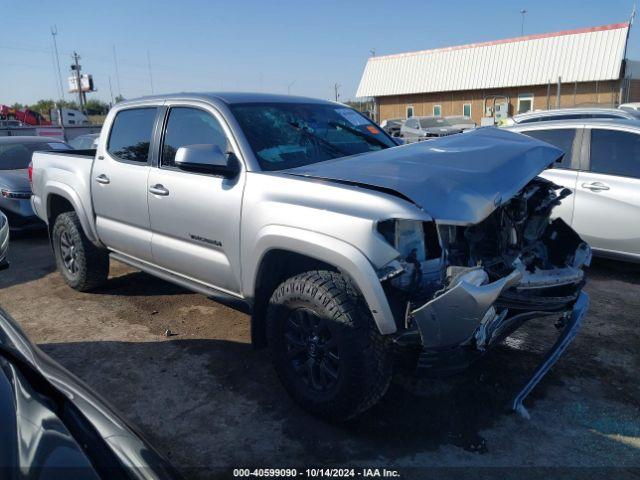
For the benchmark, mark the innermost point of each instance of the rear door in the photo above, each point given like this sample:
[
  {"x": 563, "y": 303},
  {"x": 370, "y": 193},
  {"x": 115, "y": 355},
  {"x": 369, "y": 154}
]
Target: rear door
[
  {"x": 195, "y": 218},
  {"x": 565, "y": 173},
  {"x": 607, "y": 205},
  {"x": 119, "y": 183}
]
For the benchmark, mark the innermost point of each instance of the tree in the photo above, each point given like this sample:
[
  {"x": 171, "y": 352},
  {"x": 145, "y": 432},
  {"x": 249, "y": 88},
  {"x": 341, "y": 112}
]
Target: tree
[
  {"x": 96, "y": 107},
  {"x": 68, "y": 104},
  {"x": 119, "y": 98},
  {"x": 43, "y": 107}
]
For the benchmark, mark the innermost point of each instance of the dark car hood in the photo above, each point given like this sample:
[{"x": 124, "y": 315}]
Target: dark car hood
[
  {"x": 458, "y": 179},
  {"x": 15, "y": 180}
]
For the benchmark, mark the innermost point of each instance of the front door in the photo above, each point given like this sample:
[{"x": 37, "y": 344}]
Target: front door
[
  {"x": 195, "y": 218},
  {"x": 119, "y": 183},
  {"x": 607, "y": 204},
  {"x": 565, "y": 172}
]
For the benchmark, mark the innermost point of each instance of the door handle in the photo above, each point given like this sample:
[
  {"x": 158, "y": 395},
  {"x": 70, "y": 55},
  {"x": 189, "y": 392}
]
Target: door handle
[
  {"x": 103, "y": 179},
  {"x": 159, "y": 189},
  {"x": 595, "y": 186}
]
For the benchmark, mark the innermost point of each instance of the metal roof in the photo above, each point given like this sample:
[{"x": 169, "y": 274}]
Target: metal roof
[
  {"x": 582, "y": 55},
  {"x": 230, "y": 98}
]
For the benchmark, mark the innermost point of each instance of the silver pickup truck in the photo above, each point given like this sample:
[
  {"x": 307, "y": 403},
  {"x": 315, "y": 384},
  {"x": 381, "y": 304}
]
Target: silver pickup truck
[{"x": 346, "y": 252}]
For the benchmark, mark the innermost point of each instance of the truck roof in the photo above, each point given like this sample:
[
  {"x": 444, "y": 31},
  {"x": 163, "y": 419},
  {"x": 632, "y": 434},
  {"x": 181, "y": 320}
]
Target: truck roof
[{"x": 231, "y": 98}]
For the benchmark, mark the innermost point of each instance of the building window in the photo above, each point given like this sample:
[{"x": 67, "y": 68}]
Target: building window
[
  {"x": 437, "y": 110},
  {"x": 466, "y": 109},
  {"x": 525, "y": 102},
  {"x": 409, "y": 111}
]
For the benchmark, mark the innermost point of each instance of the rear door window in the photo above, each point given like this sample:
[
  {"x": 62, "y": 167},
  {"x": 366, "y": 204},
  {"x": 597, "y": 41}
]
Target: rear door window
[
  {"x": 558, "y": 137},
  {"x": 131, "y": 133},
  {"x": 615, "y": 152}
]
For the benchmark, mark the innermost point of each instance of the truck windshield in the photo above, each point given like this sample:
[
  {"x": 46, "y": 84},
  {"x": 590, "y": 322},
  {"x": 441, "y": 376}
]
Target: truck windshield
[{"x": 288, "y": 135}]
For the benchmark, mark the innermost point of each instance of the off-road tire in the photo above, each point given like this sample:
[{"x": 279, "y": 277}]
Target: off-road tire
[
  {"x": 91, "y": 263},
  {"x": 365, "y": 363}
]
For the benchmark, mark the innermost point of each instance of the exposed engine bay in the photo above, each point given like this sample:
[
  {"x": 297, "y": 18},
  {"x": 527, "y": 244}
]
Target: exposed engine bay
[
  {"x": 458, "y": 290},
  {"x": 462, "y": 285}
]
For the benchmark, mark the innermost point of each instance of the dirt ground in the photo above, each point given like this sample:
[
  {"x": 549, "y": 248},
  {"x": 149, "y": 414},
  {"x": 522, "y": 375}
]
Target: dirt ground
[{"x": 210, "y": 402}]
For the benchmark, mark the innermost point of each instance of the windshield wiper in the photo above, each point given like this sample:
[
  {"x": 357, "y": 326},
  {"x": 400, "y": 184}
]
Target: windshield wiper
[
  {"x": 320, "y": 140},
  {"x": 358, "y": 133}
]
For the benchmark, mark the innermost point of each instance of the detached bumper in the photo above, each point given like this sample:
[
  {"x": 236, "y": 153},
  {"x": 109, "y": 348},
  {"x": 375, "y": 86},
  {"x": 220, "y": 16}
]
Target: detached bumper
[
  {"x": 458, "y": 325},
  {"x": 452, "y": 318},
  {"x": 569, "y": 332}
]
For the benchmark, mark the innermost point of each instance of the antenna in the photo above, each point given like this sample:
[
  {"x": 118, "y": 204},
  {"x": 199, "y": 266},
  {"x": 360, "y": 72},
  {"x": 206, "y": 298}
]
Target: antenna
[{"x": 54, "y": 32}]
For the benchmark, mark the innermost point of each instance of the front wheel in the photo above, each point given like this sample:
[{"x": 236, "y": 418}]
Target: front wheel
[
  {"x": 82, "y": 265},
  {"x": 325, "y": 346}
]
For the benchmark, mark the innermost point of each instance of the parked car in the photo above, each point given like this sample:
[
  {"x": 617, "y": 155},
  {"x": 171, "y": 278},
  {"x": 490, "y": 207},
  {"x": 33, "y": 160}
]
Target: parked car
[
  {"x": 88, "y": 141},
  {"x": 55, "y": 426},
  {"x": 461, "y": 121},
  {"x": 15, "y": 191},
  {"x": 345, "y": 251},
  {"x": 392, "y": 126},
  {"x": 11, "y": 124},
  {"x": 421, "y": 128},
  {"x": 4, "y": 241},
  {"x": 602, "y": 167},
  {"x": 572, "y": 114},
  {"x": 635, "y": 106}
]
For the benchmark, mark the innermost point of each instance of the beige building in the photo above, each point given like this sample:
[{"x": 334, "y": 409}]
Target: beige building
[{"x": 570, "y": 68}]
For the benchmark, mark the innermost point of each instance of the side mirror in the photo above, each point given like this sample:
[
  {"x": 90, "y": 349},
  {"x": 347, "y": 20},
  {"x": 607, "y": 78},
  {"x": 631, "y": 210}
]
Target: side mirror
[{"x": 207, "y": 158}]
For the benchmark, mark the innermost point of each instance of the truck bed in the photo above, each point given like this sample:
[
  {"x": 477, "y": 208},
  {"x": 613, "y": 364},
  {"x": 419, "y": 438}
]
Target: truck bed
[{"x": 66, "y": 174}]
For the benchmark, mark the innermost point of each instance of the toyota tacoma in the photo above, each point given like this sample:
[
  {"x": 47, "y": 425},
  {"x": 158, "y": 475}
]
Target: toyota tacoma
[{"x": 348, "y": 250}]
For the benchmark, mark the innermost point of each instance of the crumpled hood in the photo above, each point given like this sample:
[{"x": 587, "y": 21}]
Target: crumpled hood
[
  {"x": 15, "y": 180},
  {"x": 458, "y": 179}
]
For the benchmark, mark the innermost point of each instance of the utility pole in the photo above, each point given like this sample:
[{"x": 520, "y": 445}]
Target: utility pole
[
  {"x": 54, "y": 32},
  {"x": 115, "y": 62},
  {"x": 111, "y": 92},
  {"x": 523, "y": 12},
  {"x": 150, "y": 75},
  {"x": 336, "y": 87},
  {"x": 76, "y": 68}
]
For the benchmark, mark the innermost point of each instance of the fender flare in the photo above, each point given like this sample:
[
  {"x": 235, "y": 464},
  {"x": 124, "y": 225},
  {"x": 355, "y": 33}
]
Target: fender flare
[
  {"x": 344, "y": 256},
  {"x": 66, "y": 192}
]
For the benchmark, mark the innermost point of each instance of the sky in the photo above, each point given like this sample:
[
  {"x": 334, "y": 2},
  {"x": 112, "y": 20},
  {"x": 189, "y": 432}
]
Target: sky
[{"x": 301, "y": 47}]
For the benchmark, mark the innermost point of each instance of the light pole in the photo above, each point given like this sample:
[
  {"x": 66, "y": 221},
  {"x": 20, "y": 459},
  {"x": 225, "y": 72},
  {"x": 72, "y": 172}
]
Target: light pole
[
  {"x": 523, "y": 12},
  {"x": 289, "y": 87},
  {"x": 54, "y": 32}
]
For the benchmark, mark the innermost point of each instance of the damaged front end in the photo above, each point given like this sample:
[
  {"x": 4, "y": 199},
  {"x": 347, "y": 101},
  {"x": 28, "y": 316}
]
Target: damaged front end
[{"x": 459, "y": 290}]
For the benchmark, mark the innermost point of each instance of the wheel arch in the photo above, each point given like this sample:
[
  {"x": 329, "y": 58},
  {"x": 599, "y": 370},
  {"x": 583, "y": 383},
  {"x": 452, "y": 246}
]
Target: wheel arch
[
  {"x": 61, "y": 199},
  {"x": 288, "y": 251}
]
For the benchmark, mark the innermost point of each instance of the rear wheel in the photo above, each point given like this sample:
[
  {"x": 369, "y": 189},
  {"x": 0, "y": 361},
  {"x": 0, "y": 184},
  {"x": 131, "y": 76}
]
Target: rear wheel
[
  {"x": 326, "y": 347},
  {"x": 82, "y": 265}
]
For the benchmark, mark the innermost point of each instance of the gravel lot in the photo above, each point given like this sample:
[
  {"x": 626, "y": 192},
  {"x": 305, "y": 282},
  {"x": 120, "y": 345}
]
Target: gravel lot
[{"x": 211, "y": 403}]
